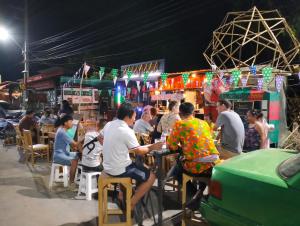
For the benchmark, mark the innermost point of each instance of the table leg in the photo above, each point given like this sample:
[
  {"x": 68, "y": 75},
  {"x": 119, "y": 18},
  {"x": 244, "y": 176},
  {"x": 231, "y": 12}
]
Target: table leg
[{"x": 160, "y": 188}]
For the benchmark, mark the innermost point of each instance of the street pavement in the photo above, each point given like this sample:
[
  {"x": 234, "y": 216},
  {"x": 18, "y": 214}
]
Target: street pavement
[{"x": 25, "y": 198}]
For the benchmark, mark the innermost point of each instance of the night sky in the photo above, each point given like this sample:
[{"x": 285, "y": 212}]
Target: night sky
[{"x": 112, "y": 32}]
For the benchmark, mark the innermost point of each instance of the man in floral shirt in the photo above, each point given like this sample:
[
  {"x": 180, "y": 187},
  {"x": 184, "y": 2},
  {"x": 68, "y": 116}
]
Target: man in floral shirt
[
  {"x": 199, "y": 152},
  {"x": 194, "y": 137}
]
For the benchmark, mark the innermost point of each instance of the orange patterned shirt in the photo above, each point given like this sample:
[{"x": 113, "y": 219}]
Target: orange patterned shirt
[{"x": 194, "y": 136}]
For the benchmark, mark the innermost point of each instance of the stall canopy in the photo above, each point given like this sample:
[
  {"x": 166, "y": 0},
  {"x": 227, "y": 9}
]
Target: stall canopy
[{"x": 96, "y": 83}]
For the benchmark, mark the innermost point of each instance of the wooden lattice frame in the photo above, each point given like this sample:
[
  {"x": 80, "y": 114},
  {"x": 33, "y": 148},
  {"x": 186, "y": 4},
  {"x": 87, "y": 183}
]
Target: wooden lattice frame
[{"x": 245, "y": 38}]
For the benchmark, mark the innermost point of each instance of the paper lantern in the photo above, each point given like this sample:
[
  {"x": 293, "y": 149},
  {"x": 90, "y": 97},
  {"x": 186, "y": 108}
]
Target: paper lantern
[
  {"x": 129, "y": 74},
  {"x": 260, "y": 83},
  {"x": 253, "y": 70},
  {"x": 209, "y": 75},
  {"x": 164, "y": 77},
  {"x": 146, "y": 75},
  {"x": 244, "y": 81},
  {"x": 279, "y": 82},
  {"x": 185, "y": 78},
  {"x": 267, "y": 74},
  {"x": 236, "y": 77}
]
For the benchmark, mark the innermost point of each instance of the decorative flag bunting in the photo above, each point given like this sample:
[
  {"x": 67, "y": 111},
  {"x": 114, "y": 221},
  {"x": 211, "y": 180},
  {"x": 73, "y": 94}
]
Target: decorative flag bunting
[
  {"x": 216, "y": 83},
  {"x": 86, "y": 69},
  {"x": 279, "y": 82},
  {"x": 209, "y": 76},
  {"x": 129, "y": 74},
  {"x": 221, "y": 74},
  {"x": 230, "y": 80},
  {"x": 260, "y": 83},
  {"x": 146, "y": 75},
  {"x": 267, "y": 74},
  {"x": 244, "y": 81},
  {"x": 138, "y": 84},
  {"x": 156, "y": 85},
  {"x": 164, "y": 77},
  {"x": 185, "y": 77},
  {"x": 224, "y": 80},
  {"x": 214, "y": 67},
  {"x": 109, "y": 92},
  {"x": 101, "y": 72},
  {"x": 236, "y": 77},
  {"x": 114, "y": 73},
  {"x": 148, "y": 85},
  {"x": 253, "y": 70},
  {"x": 126, "y": 82}
]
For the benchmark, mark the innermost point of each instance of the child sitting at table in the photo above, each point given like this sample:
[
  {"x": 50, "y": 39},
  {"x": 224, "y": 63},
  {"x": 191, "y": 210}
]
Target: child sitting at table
[{"x": 92, "y": 149}]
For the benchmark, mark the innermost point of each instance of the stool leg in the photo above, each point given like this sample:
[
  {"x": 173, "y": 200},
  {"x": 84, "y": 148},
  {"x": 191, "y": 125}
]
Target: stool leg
[
  {"x": 184, "y": 181},
  {"x": 100, "y": 203},
  {"x": 128, "y": 205},
  {"x": 52, "y": 174},
  {"x": 105, "y": 206},
  {"x": 81, "y": 184},
  {"x": 65, "y": 176},
  {"x": 88, "y": 187}
]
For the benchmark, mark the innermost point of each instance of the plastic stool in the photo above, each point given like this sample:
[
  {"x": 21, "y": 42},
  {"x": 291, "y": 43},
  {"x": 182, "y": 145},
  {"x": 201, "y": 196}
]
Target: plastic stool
[
  {"x": 78, "y": 173},
  {"x": 57, "y": 176},
  {"x": 86, "y": 184},
  {"x": 104, "y": 181}
]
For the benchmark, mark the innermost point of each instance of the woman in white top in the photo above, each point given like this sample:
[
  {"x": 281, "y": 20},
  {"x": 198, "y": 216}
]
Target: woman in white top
[{"x": 168, "y": 120}]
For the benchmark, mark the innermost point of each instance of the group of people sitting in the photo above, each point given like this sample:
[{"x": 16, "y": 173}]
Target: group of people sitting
[{"x": 116, "y": 139}]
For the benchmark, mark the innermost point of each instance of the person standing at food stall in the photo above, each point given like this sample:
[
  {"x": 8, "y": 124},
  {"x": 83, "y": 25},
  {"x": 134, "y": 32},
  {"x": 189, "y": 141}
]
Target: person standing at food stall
[
  {"x": 232, "y": 130},
  {"x": 255, "y": 137},
  {"x": 168, "y": 120},
  {"x": 66, "y": 108}
]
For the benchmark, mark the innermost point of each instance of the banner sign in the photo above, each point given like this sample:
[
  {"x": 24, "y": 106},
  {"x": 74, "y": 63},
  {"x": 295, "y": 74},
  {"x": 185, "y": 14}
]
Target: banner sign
[
  {"x": 173, "y": 96},
  {"x": 87, "y": 95}
]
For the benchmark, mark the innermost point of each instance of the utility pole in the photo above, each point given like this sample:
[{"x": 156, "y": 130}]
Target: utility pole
[{"x": 25, "y": 53}]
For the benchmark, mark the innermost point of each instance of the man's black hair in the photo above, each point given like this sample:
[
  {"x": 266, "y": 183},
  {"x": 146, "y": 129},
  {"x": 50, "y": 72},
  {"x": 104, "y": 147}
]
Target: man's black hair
[
  {"x": 226, "y": 103},
  {"x": 172, "y": 104},
  {"x": 126, "y": 109},
  {"x": 186, "y": 109},
  {"x": 29, "y": 112}
]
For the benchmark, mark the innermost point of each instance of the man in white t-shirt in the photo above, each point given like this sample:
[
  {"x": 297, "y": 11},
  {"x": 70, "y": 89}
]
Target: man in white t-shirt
[{"x": 119, "y": 139}]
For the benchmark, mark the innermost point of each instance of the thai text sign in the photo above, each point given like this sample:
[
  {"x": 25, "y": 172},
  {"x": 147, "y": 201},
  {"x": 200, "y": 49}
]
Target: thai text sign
[{"x": 87, "y": 95}]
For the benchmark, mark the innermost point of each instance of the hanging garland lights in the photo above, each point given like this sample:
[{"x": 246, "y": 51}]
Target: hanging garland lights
[
  {"x": 253, "y": 70},
  {"x": 260, "y": 83},
  {"x": 267, "y": 74},
  {"x": 146, "y": 75},
  {"x": 209, "y": 75},
  {"x": 279, "y": 82},
  {"x": 236, "y": 77},
  {"x": 164, "y": 77},
  {"x": 185, "y": 78}
]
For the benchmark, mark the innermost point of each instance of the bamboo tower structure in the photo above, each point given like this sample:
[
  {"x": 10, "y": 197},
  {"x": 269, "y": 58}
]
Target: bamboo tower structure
[{"x": 253, "y": 37}]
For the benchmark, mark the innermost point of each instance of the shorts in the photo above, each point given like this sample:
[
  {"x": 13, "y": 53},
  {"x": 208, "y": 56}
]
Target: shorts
[
  {"x": 92, "y": 169},
  {"x": 63, "y": 159},
  {"x": 137, "y": 172}
]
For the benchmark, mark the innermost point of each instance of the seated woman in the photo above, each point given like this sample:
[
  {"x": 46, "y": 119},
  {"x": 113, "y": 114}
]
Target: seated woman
[
  {"x": 62, "y": 154},
  {"x": 92, "y": 149},
  {"x": 255, "y": 138}
]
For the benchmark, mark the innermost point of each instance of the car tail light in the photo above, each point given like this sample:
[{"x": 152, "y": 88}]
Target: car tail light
[{"x": 215, "y": 189}]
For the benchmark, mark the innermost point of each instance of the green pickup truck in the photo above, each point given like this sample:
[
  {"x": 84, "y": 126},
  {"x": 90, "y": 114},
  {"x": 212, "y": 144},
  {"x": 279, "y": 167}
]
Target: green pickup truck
[{"x": 257, "y": 188}]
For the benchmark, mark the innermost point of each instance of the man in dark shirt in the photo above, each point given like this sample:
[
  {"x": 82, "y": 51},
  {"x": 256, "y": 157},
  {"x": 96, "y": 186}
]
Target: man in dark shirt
[{"x": 28, "y": 123}]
